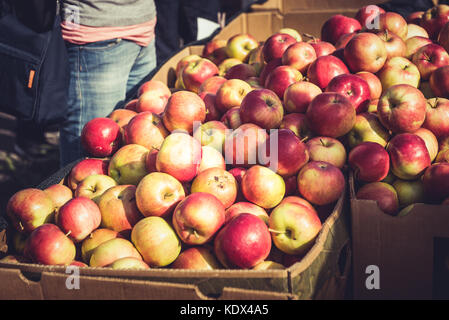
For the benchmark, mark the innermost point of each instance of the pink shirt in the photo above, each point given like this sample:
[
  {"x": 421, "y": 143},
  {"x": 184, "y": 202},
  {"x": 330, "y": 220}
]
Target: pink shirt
[{"x": 142, "y": 33}]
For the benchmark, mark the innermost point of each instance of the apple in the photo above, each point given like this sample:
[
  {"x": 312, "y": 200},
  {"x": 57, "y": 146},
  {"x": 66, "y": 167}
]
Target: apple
[
  {"x": 111, "y": 250},
  {"x": 179, "y": 156},
  {"x": 243, "y": 242},
  {"x": 399, "y": 70},
  {"x": 94, "y": 239},
  {"x": 14, "y": 259},
  {"x": 367, "y": 128},
  {"x": 442, "y": 156},
  {"x": 299, "y": 56},
  {"x": 152, "y": 96},
  {"x": 215, "y": 50},
  {"x": 293, "y": 32},
  {"x": 353, "y": 87},
  {"x": 59, "y": 194},
  {"x": 415, "y": 17},
  {"x": 47, "y": 244},
  {"x": 320, "y": 183},
  {"x": 238, "y": 174},
  {"x": 298, "y": 96},
  {"x": 78, "y": 218},
  {"x": 375, "y": 86},
  {"x": 322, "y": 48},
  {"x": 183, "y": 62},
  {"x": 30, "y": 208},
  {"x": 122, "y": 117},
  {"x": 434, "y": 19},
  {"x": 327, "y": 149},
  {"x": 409, "y": 156},
  {"x": 435, "y": 180},
  {"x": 118, "y": 208},
  {"x": 94, "y": 186},
  {"x": 343, "y": 41},
  {"x": 299, "y": 201},
  {"x": 196, "y": 258},
  {"x": 198, "y": 217},
  {"x": 241, "y": 71},
  {"x": 100, "y": 137},
  {"x": 85, "y": 168},
  {"x": 415, "y": 30},
  {"x": 211, "y": 134},
  {"x": 128, "y": 164},
  {"x": 409, "y": 192},
  {"x": 146, "y": 129},
  {"x": 443, "y": 37},
  {"x": 231, "y": 94},
  {"x": 437, "y": 117},
  {"x": 211, "y": 158},
  {"x": 150, "y": 162},
  {"x": 324, "y": 69},
  {"x": 262, "y": 107},
  {"x": 331, "y": 114},
  {"x": 231, "y": 118},
  {"x": 414, "y": 43},
  {"x": 297, "y": 122},
  {"x": 275, "y": 46},
  {"x": 294, "y": 227},
  {"x": 240, "y": 45},
  {"x": 226, "y": 64},
  {"x": 365, "y": 52},
  {"x": 267, "y": 68},
  {"x": 291, "y": 185},
  {"x": 269, "y": 265},
  {"x": 262, "y": 186},
  {"x": 431, "y": 141},
  {"x": 255, "y": 59},
  {"x": 131, "y": 105},
  {"x": 338, "y": 25},
  {"x": 212, "y": 113},
  {"x": 211, "y": 85},
  {"x": 370, "y": 162},
  {"x": 245, "y": 207},
  {"x": 367, "y": 15},
  {"x": 254, "y": 82},
  {"x": 402, "y": 108},
  {"x": 439, "y": 82},
  {"x": 429, "y": 58},
  {"x": 280, "y": 78},
  {"x": 182, "y": 110},
  {"x": 128, "y": 263},
  {"x": 394, "y": 45},
  {"x": 384, "y": 194},
  {"x": 218, "y": 182},
  {"x": 393, "y": 22},
  {"x": 371, "y": 106}
]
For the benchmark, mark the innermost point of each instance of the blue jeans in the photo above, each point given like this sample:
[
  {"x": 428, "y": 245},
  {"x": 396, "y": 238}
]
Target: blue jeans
[{"x": 103, "y": 76}]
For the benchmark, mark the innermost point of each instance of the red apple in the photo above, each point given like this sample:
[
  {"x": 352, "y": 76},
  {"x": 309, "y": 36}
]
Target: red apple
[
  {"x": 434, "y": 19},
  {"x": 226, "y": 64},
  {"x": 353, "y": 87},
  {"x": 415, "y": 17},
  {"x": 263, "y": 108},
  {"x": 297, "y": 122},
  {"x": 245, "y": 207},
  {"x": 152, "y": 96},
  {"x": 370, "y": 162},
  {"x": 394, "y": 45},
  {"x": 196, "y": 72},
  {"x": 215, "y": 51},
  {"x": 59, "y": 194},
  {"x": 375, "y": 86},
  {"x": 365, "y": 52},
  {"x": 241, "y": 71},
  {"x": 280, "y": 78},
  {"x": 291, "y": 185},
  {"x": 327, "y": 149},
  {"x": 211, "y": 85},
  {"x": 231, "y": 118},
  {"x": 443, "y": 37},
  {"x": 366, "y": 15},
  {"x": 196, "y": 258},
  {"x": 150, "y": 162},
  {"x": 437, "y": 117},
  {"x": 430, "y": 140},
  {"x": 343, "y": 41},
  {"x": 435, "y": 181},
  {"x": 145, "y": 129},
  {"x": 100, "y": 137},
  {"x": 131, "y": 105},
  {"x": 231, "y": 94},
  {"x": 384, "y": 194},
  {"x": 84, "y": 168},
  {"x": 322, "y": 48},
  {"x": 183, "y": 62},
  {"x": 298, "y": 96},
  {"x": 267, "y": 68},
  {"x": 122, "y": 116},
  {"x": 212, "y": 113},
  {"x": 414, "y": 43},
  {"x": 275, "y": 46},
  {"x": 439, "y": 82},
  {"x": 393, "y": 22},
  {"x": 429, "y": 58},
  {"x": 299, "y": 55},
  {"x": 324, "y": 69},
  {"x": 240, "y": 45},
  {"x": 338, "y": 25}
]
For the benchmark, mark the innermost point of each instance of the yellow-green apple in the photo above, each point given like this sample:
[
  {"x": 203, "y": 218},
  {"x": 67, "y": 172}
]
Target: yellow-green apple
[
  {"x": 414, "y": 30},
  {"x": 431, "y": 141},
  {"x": 183, "y": 62},
  {"x": 231, "y": 118},
  {"x": 297, "y": 122},
  {"x": 179, "y": 156},
  {"x": 182, "y": 110},
  {"x": 245, "y": 207},
  {"x": 211, "y": 85},
  {"x": 383, "y": 193},
  {"x": 437, "y": 116},
  {"x": 198, "y": 217},
  {"x": 298, "y": 200},
  {"x": 196, "y": 258},
  {"x": 226, "y": 64},
  {"x": 262, "y": 186},
  {"x": 439, "y": 82},
  {"x": 280, "y": 78},
  {"x": 393, "y": 22},
  {"x": 18, "y": 242},
  {"x": 436, "y": 182},
  {"x": 118, "y": 208},
  {"x": 111, "y": 250},
  {"x": 231, "y": 94},
  {"x": 324, "y": 69},
  {"x": 375, "y": 86},
  {"x": 365, "y": 52},
  {"x": 196, "y": 72},
  {"x": 394, "y": 45},
  {"x": 409, "y": 192},
  {"x": 59, "y": 194},
  {"x": 146, "y": 129},
  {"x": 399, "y": 70},
  {"x": 94, "y": 186},
  {"x": 152, "y": 96},
  {"x": 94, "y": 239},
  {"x": 275, "y": 46},
  {"x": 442, "y": 156},
  {"x": 284, "y": 153},
  {"x": 128, "y": 263},
  {"x": 443, "y": 37},
  {"x": 338, "y": 25},
  {"x": 240, "y": 45},
  {"x": 293, "y": 32},
  {"x": 47, "y": 244},
  {"x": 157, "y": 194},
  {"x": 267, "y": 68},
  {"x": 243, "y": 242},
  {"x": 242, "y": 146},
  {"x": 320, "y": 182},
  {"x": 299, "y": 56},
  {"x": 14, "y": 258},
  {"x": 85, "y": 168},
  {"x": 131, "y": 105},
  {"x": 269, "y": 265},
  {"x": 212, "y": 134},
  {"x": 353, "y": 87},
  {"x": 443, "y": 143},
  {"x": 367, "y": 15},
  {"x": 429, "y": 58},
  {"x": 215, "y": 50},
  {"x": 331, "y": 114},
  {"x": 262, "y": 107},
  {"x": 415, "y": 17},
  {"x": 255, "y": 58},
  {"x": 78, "y": 218},
  {"x": 212, "y": 113},
  {"x": 370, "y": 162},
  {"x": 211, "y": 158},
  {"x": 434, "y": 19},
  {"x": 322, "y": 48},
  {"x": 414, "y": 43},
  {"x": 372, "y": 106},
  {"x": 402, "y": 108},
  {"x": 367, "y": 127},
  {"x": 328, "y": 150},
  {"x": 241, "y": 71},
  {"x": 29, "y": 208},
  {"x": 293, "y": 227},
  {"x": 409, "y": 156},
  {"x": 128, "y": 164},
  {"x": 218, "y": 182},
  {"x": 100, "y": 137},
  {"x": 298, "y": 96}
]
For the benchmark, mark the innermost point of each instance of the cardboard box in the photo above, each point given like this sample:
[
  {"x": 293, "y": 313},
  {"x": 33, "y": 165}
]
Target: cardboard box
[{"x": 409, "y": 254}]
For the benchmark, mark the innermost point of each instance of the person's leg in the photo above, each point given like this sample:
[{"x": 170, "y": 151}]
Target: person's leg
[
  {"x": 98, "y": 82},
  {"x": 167, "y": 33}
]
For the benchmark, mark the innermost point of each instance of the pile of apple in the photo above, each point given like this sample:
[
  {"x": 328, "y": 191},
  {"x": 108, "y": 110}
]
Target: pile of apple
[{"x": 240, "y": 164}]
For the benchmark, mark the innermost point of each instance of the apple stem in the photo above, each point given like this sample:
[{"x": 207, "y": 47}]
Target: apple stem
[
  {"x": 310, "y": 36},
  {"x": 305, "y": 138},
  {"x": 196, "y": 234},
  {"x": 21, "y": 225},
  {"x": 68, "y": 233},
  {"x": 276, "y": 231}
]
